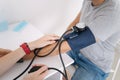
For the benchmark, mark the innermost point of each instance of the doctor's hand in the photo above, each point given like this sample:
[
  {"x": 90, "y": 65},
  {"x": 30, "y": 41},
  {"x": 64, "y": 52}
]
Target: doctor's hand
[
  {"x": 37, "y": 75},
  {"x": 43, "y": 41}
]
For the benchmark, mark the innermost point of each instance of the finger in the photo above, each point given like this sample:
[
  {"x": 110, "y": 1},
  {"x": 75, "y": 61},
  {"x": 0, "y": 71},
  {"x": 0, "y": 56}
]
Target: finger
[
  {"x": 38, "y": 65},
  {"x": 47, "y": 43},
  {"x": 4, "y": 50},
  {"x": 48, "y": 38},
  {"x": 53, "y": 35},
  {"x": 50, "y": 42},
  {"x": 43, "y": 75},
  {"x": 41, "y": 70},
  {"x": 54, "y": 38},
  {"x": 51, "y": 38}
]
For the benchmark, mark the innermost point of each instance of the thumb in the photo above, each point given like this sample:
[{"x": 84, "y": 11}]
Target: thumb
[{"x": 41, "y": 70}]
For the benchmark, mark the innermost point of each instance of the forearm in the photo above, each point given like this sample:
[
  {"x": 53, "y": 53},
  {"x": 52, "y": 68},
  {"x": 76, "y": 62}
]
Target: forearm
[
  {"x": 7, "y": 61},
  {"x": 64, "y": 48},
  {"x": 75, "y": 21}
]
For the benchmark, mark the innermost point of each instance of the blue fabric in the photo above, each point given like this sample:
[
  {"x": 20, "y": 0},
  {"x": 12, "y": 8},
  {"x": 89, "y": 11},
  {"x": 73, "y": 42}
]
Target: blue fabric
[
  {"x": 86, "y": 69},
  {"x": 79, "y": 40}
]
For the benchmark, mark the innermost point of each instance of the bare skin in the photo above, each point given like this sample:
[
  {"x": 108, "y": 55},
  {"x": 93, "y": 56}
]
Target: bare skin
[{"x": 97, "y": 2}]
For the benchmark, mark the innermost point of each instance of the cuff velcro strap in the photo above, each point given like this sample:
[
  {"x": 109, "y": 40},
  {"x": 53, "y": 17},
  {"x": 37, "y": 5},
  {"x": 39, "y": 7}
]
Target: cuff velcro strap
[{"x": 79, "y": 40}]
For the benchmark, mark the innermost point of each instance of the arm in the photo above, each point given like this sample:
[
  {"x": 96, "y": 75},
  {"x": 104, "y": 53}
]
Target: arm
[
  {"x": 10, "y": 59},
  {"x": 64, "y": 48},
  {"x": 4, "y": 52},
  {"x": 75, "y": 21}
]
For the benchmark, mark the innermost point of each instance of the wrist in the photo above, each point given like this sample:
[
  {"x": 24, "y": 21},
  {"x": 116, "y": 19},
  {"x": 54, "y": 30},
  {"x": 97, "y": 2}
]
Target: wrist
[
  {"x": 31, "y": 46},
  {"x": 26, "y": 48}
]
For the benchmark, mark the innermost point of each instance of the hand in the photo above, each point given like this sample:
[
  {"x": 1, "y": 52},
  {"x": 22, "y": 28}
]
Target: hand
[
  {"x": 37, "y": 75},
  {"x": 43, "y": 41},
  {"x": 4, "y": 52}
]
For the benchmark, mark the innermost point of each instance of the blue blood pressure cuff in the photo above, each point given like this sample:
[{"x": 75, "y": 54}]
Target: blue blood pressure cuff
[{"x": 80, "y": 39}]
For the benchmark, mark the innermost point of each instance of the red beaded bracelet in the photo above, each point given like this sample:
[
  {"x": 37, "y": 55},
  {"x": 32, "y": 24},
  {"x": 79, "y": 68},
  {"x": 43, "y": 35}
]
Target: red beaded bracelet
[{"x": 26, "y": 48}]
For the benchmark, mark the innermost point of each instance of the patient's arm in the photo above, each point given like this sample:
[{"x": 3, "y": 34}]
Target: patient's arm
[
  {"x": 75, "y": 21},
  {"x": 64, "y": 48}
]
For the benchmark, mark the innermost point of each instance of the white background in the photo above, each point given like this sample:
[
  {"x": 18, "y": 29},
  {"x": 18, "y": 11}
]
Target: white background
[{"x": 50, "y": 16}]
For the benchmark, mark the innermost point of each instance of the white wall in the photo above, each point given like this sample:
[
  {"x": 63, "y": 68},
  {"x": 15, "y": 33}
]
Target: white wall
[{"x": 47, "y": 15}]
